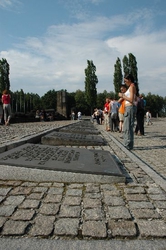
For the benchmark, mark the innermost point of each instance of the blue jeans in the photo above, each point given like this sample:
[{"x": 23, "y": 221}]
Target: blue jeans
[{"x": 128, "y": 127}]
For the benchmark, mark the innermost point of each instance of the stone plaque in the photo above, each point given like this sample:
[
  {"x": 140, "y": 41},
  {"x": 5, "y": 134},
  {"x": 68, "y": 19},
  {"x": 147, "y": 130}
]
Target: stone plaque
[
  {"x": 72, "y": 139},
  {"x": 62, "y": 159},
  {"x": 79, "y": 130}
]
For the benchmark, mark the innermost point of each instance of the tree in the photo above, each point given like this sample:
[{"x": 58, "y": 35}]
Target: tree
[
  {"x": 49, "y": 100},
  {"x": 130, "y": 67},
  {"x": 133, "y": 67},
  {"x": 81, "y": 104},
  {"x": 155, "y": 104},
  {"x": 4, "y": 75},
  {"x": 126, "y": 68},
  {"x": 90, "y": 85},
  {"x": 117, "y": 75}
]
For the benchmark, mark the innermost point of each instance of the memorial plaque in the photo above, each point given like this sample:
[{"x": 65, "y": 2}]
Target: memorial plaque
[
  {"x": 79, "y": 130},
  {"x": 66, "y": 159},
  {"x": 72, "y": 139}
]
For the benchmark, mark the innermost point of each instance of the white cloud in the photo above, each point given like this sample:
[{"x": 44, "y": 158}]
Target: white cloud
[
  {"x": 9, "y": 4},
  {"x": 58, "y": 59}
]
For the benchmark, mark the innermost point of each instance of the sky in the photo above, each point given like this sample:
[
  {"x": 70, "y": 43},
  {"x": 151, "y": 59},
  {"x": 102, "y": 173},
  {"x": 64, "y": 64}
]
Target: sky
[{"x": 47, "y": 42}]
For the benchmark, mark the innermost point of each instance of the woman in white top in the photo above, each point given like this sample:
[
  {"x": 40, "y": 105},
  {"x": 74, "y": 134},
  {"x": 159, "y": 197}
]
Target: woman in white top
[{"x": 129, "y": 98}]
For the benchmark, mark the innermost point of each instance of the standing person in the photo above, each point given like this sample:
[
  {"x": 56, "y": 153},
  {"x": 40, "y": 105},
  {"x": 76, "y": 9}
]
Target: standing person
[
  {"x": 107, "y": 114},
  {"x": 113, "y": 115},
  {"x": 129, "y": 98},
  {"x": 148, "y": 118},
  {"x": 1, "y": 110},
  {"x": 73, "y": 115},
  {"x": 6, "y": 106},
  {"x": 121, "y": 108},
  {"x": 139, "y": 130},
  {"x": 79, "y": 115}
]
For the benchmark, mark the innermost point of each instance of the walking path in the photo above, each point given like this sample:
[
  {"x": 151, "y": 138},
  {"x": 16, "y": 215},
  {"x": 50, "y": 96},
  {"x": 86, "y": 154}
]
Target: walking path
[{"x": 83, "y": 215}]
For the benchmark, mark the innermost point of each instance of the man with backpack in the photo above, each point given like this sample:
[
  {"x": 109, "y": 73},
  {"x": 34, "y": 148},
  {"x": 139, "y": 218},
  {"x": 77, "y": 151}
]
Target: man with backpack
[{"x": 139, "y": 130}]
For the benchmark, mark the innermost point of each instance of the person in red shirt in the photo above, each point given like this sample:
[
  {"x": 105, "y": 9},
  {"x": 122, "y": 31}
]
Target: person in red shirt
[
  {"x": 6, "y": 106},
  {"x": 107, "y": 114}
]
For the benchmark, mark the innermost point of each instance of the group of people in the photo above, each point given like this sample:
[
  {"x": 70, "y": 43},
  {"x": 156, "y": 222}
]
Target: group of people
[
  {"x": 5, "y": 108},
  {"x": 76, "y": 116},
  {"x": 44, "y": 116},
  {"x": 120, "y": 115}
]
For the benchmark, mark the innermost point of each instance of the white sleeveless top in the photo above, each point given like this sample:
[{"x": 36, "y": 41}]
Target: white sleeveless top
[{"x": 127, "y": 93}]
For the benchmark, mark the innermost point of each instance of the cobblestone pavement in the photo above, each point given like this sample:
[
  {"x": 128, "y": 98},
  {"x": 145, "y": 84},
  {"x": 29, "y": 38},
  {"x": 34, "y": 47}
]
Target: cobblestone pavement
[{"x": 135, "y": 210}]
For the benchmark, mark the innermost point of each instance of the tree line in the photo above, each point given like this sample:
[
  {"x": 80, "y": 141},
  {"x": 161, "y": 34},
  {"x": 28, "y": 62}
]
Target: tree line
[{"x": 84, "y": 101}]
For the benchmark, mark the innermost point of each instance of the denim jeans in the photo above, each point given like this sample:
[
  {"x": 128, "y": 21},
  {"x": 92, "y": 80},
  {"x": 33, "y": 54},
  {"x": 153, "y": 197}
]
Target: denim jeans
[{"x": 128, "y": 127}]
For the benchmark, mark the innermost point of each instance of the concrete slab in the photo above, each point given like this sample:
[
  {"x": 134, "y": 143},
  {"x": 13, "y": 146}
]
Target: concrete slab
[
  {"x": 72, "y": 139},
  {"x": 76, "y": 160},
  {"x": 79, "y": 130}
]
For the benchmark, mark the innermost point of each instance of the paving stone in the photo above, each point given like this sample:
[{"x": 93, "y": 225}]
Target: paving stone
[
  {"x": 7, "y": 210},
  {"x": 2, "y": 221},
  {"x": 45, "y": 184},
  {"x": 43, "y": 225},
  {"x": 56, "y": 198},
  {"x": 14, "y": 227},
  {"x": 113, "y": 201},
  {"x": 93, "y": 214},
  {"x": 23, "y": 214},
  {"x": 94, "y": 229},
  {"x": 66, "y": 227},
  {"x": 154, "y": 190},
  {"x": 158, "y": 197},
  {"x": 28, "y": 203},
  {"x": 140, "y": 204},
  {"x": 163, "y": 213},
  {"x": 36, "y": 196},
  {"x": 76, "y": 185},
  {"x": 57, "y": 184},
  {"x": 2, "y": 198},
  {"x": 4, "y": 191},
  {"x": 72, "y": 201},
  {"x": 110, "y": 187},
  {"x": 29, "y": 184},
  {"x": 49, "y": 208},
  {"x": 122, "y": 228},
  {"x": 91, "y": 188},
  {"x": 145, "y": 213},
  {"x": 134, "y": 190},
  {"x": 40, "y": 189},
  {"x": 160, "y": 204},
  {"x": 70, "y": 211},
  {"x": 111, "y": 193},
  {"x": 14, "y": 183},
  {"x": 74, "y": 192},
  {"x": 14, "y": 200},
  {"x": 136, "y": 197},
  {"x": 91, "y": 203},
  {"x": 154, "y": 228},
  {"x": 118, "y": 213},
  {"x": 93, "y": 195},
  {"x": 21, "y": 191},
  {"x": 55, "y": 190}
]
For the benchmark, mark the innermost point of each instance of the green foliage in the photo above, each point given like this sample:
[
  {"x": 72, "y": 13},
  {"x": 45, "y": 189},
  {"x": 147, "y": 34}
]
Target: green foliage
[
  {"x": 22, "y": 102},
  {"x": 156, "y": 104},
  {"x": 4, "y": 75},
  {"x": 117, "y": 75},
  {"x": 81, "y": 103},
  {"x": 90, "y": 85},
  {"x": 126, "y": 67},
  {"x": 133, "y": 66},
  {"x": 49, "y": 100}
]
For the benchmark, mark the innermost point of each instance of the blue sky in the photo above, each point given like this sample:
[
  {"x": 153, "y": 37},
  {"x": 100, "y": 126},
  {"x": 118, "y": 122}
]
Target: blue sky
[{"x": 47, "y": 42}]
